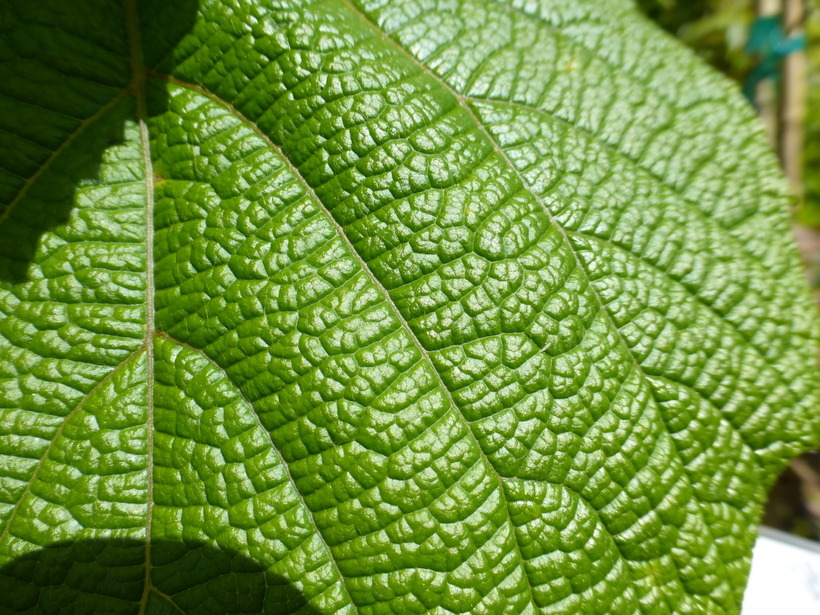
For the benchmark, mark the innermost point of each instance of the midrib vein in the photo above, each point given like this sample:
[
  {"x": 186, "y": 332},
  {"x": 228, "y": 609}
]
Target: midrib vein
[
  {"x": 465, "y": 104},
  {"x": 138, "y": 91}
]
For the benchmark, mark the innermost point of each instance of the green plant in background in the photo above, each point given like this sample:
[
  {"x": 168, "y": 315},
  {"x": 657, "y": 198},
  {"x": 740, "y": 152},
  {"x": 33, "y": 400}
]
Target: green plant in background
[
  {"x": 716, "y": 29},
  {"x": 355, "y": 306}
]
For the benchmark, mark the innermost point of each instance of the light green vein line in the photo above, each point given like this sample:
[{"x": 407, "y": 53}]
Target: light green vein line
[
  {"x": 464, "y": 103},
  {"x": 108, "y": 377},
  {"x": 138, "y": 88},
  {"x": 247, "y": 402},
  {"x": 382, "y": 290},
  {"x": 81, "y": 128}
]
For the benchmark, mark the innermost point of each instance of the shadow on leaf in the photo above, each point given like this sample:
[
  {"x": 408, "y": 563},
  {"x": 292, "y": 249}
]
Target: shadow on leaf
[
  {"x": 69, "y": 130},
  {"x": 108, "y": 576}
]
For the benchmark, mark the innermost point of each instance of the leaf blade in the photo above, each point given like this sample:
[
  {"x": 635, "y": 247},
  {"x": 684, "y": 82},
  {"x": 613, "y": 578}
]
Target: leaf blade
[{"x": 517, "y": 351}]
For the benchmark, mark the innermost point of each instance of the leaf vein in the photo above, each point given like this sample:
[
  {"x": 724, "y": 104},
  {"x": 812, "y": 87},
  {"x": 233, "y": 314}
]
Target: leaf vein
[
  {"x": 508, "y": 163},
  {"x": 372, "y": 278},
  {"x": 275, "y": 450}
]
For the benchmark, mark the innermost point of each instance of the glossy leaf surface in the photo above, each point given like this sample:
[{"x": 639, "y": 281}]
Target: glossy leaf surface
[{"x": 407, "y": 306}]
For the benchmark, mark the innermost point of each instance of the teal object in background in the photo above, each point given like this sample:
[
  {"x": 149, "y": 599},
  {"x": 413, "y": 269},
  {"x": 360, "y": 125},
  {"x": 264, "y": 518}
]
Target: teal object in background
[
  {"x": 768, "y": 41},
  {"x": 385, "y": 307}
]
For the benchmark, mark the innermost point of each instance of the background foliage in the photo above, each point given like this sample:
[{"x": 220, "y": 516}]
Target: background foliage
[{"x": 716, "y": 29}]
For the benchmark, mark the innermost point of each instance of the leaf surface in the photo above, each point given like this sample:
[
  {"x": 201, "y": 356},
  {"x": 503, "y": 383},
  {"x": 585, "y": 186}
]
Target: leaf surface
[{"x": 386, "y": 307}]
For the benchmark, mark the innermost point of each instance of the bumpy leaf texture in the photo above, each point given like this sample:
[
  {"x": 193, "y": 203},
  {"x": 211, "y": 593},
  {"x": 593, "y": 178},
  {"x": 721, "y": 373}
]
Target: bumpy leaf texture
[{"x": 385, "y": 306}]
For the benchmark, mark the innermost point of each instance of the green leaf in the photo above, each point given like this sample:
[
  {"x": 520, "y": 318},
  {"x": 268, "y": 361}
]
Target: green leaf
[{"x": 385, "y": 307}]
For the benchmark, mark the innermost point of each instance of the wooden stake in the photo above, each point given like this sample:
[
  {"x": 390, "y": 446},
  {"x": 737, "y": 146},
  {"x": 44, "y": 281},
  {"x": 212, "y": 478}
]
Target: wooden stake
[
  {"x": 766, "y": 94},
  {"x": 793, "y": 99}
]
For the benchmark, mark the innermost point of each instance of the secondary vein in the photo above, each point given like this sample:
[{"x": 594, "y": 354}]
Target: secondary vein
[
  {"x": 274, "y": 449},
  {"x": 105, "y": 380},
  {"x": 81, "y": 128},
  {"x": 464, "y": 103},
  {"x": 382, "y": 290}
]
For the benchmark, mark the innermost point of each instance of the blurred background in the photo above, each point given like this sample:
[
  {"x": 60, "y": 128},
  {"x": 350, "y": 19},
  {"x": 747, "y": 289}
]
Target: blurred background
[{"x": 772, "y": 49}]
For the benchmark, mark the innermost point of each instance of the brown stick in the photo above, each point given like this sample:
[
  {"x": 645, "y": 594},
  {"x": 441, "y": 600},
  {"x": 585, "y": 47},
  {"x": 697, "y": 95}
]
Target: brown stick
[
  {"x": 766, "y": 94},
  {"x": 793, "y": 99}
]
